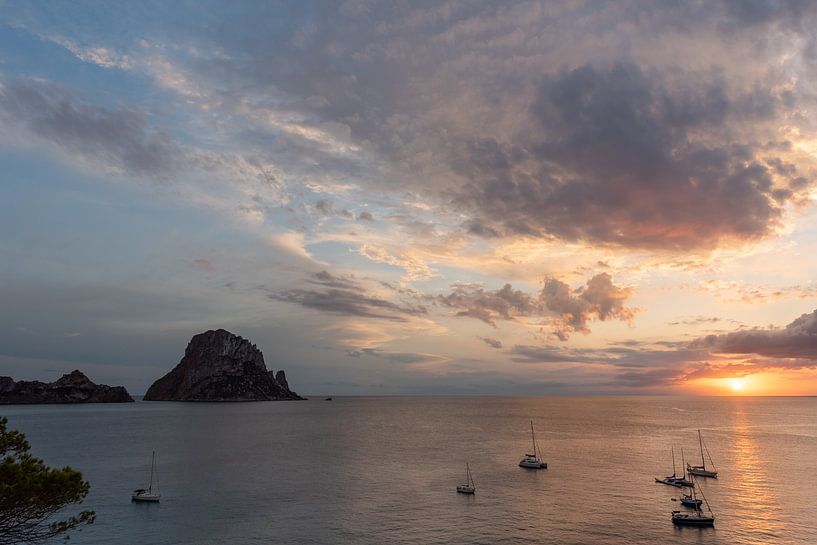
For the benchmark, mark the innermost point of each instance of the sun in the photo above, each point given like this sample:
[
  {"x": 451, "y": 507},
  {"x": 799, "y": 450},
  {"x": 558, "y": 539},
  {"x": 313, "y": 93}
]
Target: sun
[{"x": 736, "y": 384}]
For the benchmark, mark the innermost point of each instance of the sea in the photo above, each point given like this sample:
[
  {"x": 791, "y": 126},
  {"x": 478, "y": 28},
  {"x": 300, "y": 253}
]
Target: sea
[{"x": 379, "y": 470}]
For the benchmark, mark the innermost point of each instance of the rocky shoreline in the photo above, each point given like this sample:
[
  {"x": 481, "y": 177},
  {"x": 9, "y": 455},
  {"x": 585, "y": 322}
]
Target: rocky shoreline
[{"x": 73, "y": 387}]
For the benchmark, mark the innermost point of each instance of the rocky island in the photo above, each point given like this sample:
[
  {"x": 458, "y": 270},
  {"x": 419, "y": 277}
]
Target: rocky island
[
  {"x": 74, "y": 387},
  {"x": 220, "y": 366}
]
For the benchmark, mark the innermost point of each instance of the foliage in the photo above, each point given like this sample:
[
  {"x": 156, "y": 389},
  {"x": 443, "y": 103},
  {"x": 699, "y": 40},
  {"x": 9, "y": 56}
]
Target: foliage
[{"x": 32, "y": 493}]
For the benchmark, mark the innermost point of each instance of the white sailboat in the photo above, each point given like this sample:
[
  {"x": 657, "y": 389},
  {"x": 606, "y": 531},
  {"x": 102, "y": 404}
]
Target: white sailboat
[
  {"x": 468, "y": 487},
  {"x": 697, "y": 517},
  {"x": 148, "y": 495},
  {"x": 532, "y": 461},
  {"x": 701, "y": 470}
]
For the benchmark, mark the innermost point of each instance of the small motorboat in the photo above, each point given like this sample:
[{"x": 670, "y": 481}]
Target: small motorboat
[
  {"x": 328, "y": 399},
  {"x": 532, "y": 461},
  {"x": 468, "y": 487}
]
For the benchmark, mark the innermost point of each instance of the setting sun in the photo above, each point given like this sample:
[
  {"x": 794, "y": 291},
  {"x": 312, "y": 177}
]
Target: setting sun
[{"x": 737, "y": 384}]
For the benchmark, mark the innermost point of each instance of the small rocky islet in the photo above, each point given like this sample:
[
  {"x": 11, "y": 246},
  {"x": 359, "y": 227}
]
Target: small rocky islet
[
  {"x": 220, "y": 366},
  {"x": 217, "y": 366},
  {"x": 73, "y": 387}
]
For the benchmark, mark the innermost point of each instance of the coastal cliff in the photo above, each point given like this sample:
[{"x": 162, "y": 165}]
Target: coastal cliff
[
  {"x": 220, "y": 366},
  {"x": 74, "y": 387}
]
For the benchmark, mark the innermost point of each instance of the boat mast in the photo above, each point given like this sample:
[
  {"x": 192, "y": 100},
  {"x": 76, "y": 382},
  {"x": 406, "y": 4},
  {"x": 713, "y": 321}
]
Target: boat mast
[
  {"x": 705, "y": 501},
  {"x": 533, "y": 438},
  {"x": 152, "y": 464},
  {"x": 672, "y": 449},
  {"x": 683, "y": 464},
  {"x": 701, "y": 444}
]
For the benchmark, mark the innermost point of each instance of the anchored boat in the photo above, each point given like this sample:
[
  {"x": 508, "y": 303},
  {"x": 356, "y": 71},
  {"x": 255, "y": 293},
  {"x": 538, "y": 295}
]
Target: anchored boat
[
  {"x": 148, "y": 495},
  {"x": 532, "y": 461},
  {"x": 696, "y": 517},
  {"x": 701, "y": 470},
  {"x": 468, "y": 487},
  {"x": 673, "y": 479}
]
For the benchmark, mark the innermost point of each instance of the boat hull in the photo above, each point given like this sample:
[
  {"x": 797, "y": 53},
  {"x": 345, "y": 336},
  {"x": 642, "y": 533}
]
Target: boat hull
[
  {"x": 689, "y": 502},
  {"x": 465, "y": 489},
  {"x": 533, "y": 465},
  {"x": 669, "y": 482},
  {"x": 145, "y": 498},
  {"x": 683, "y": 519},
  {"x": 701, "y": 472}
]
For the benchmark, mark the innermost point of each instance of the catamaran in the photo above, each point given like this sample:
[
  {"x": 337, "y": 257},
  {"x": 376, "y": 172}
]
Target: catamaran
[
  {"x": 147, "y": 495},
  {"x": 532, "y": 461},
  {"x": 468, "y": 487},
  {"x": 697, "y": 517},
  {"x": 701, "y": 470}
]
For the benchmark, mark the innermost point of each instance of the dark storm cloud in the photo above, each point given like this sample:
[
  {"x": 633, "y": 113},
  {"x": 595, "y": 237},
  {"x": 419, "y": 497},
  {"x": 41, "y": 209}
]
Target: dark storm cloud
[
  {"x": 114, "y": 137},
  {"x": 617, "y": 158},
  {"x": 570, "y": 309}
]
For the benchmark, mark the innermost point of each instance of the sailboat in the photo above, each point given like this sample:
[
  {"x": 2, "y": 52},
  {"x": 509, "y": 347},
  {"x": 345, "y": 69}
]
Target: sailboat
[
  {"x": 697, "y": 517},
  {"x": 532, "y": 461},
  {"x": 468, "y": 487},
  {"x": 143, "y": 495},
  {"x": 683, "y": 479},
  {"x": 671, "y": 480},
  {"x": 701, "y": 470}
]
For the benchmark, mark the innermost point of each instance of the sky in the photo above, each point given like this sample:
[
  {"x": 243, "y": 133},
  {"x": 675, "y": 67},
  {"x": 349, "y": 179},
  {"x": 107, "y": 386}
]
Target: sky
[{"x": 507, "y": 198}]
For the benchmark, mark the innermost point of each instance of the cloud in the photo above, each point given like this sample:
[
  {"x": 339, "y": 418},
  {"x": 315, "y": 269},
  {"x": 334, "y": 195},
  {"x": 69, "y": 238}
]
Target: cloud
[
  {"x": 622, "y": 139},
  {"x": 204, "y": 264},
  {"x": 397, "y": 357},
  {"x": 629, "y": 157},
  {"x": 798, "y": 340},
  {"x": 325, "y": 278},
  {"x": 416, "y": 268},
  {"x": 347, "y": 297},
  {"x": 505, "y": 303},
  {"x": 600, "y": 300},
  {"x": 119, "y": 139},
  {"x": 569, "y": 310},
  {"x": 327, "y": 208},
  {"x": 629, "y": 368},
  {"x": 493, "y": 343}
]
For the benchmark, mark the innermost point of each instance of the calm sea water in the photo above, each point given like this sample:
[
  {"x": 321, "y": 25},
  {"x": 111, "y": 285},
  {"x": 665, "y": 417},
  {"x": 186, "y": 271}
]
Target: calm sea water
[{"x": 384, "y": 470}]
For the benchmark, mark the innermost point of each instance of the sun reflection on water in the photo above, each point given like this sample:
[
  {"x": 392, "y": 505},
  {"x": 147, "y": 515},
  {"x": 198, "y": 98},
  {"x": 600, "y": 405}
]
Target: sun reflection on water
[{"x": 757, "y": 510}]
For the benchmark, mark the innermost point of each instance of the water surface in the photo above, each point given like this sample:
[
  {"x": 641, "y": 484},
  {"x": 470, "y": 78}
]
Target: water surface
[{"x": 384, "y": 470}]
